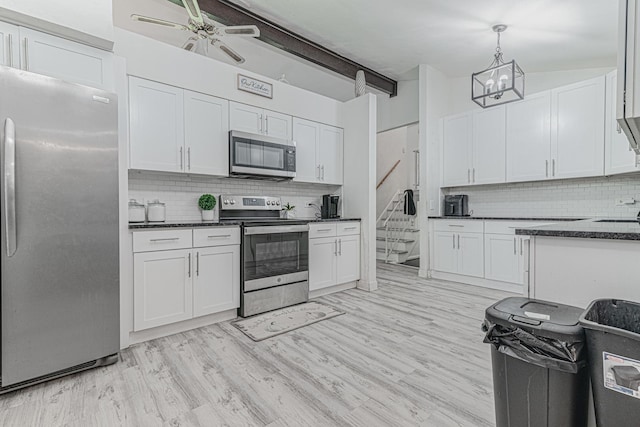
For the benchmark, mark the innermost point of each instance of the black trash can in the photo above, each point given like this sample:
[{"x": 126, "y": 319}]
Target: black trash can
[
  {"x": 612, "y": 328},
  {"x": 540, "y": 377}
]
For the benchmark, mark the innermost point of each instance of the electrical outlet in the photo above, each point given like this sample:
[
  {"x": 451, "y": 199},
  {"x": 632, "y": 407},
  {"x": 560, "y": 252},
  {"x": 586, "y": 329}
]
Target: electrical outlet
[
  {"x": 308, "y": 204},
  {"x": 625, "y": 202}
]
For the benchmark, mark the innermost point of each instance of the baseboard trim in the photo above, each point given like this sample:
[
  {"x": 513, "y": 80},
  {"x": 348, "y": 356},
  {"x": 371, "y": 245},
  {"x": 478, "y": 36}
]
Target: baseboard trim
[
  {"x": 476, "y": 281},
  {"x": 331, "y": 290},
  {"x": 186, "y": 325}
]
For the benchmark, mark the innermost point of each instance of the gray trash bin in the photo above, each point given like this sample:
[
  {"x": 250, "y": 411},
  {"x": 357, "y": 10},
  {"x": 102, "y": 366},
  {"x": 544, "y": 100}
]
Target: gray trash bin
[{"x": 539, "y": 363}]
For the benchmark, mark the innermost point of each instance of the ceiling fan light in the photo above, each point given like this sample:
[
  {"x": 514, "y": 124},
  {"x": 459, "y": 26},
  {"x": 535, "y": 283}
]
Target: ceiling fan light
[
  {"x": 232, "y": 54},
  {"x": 239, "y": 31}
]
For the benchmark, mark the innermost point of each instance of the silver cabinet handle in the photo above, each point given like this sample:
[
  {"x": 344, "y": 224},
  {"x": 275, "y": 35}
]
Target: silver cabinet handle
[
  {"x": 546, "y": 168},
  {"x": 10, "y": 51},
  {"x": 189, "y": 158},
  {"x": 181, "y": 159},
  {"x": 266, "y": 124},
  {"x": 26, "y": 54},
  {"x": 222, "y": 236},
  {"x": 259, "y": 122},
  {"x": 553, "y": 167},
  {"x": 474, "y": 174},
  {"x": 521, "y": 246},
  {"x": 350, "y": 228},
  {"x": 455, "y": 225},
  {"x": 417, "y": 171},
  {"x": 454, "y": 240},
  {"x": 323, "y": 230},
  {"x": 322, "y": 167},
  {"x": 198, "y": 264},
  {"x": 166, "y": 239},
  {"x": 318, "y": 167},
  {"x": 340, "y": 250},
  {"x": 469, "y": 175},
  {"x": 515, "y": 250},
  {"x": 189, "y": 264},
  {"x": 458, "y": 241},
  {"x": 335, "y": 251},
  {"x": 10, "y": 186}
]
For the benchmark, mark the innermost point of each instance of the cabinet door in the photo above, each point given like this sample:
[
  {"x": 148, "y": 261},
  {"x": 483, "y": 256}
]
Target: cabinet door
[
  {"x": 245, "y": 118},
  {"x": 445, "y": 252},
  {"x": 529, "y": 138},
  {"x": 489, "y": 146},
  {"x": 502, "y": 258},
  {"x": 10, "y": 46},
  {"x": 216, "y": 283},
  {"x": 277, "y": 125},
  {"x": 330, "y": 154},
  {"x": 348, "y": 262},
  {"x": 74, "y": 62},
  {"x": 156, "y": 140},
  {"x": 206, "y": 131},
  {"x": 523, "y": 262},
  {"x": 162, "y": 288},
  {"x": 306, "y": 135},
  {"x": 619, "y": 157},
  {"x": 471, "y": 254},
  {"x": 577, "y": 137},
  {"x": 322, "y": 262},
  {"x": 456, "y": 153}
]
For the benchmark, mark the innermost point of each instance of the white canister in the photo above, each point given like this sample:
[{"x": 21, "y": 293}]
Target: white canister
[
  {"x": 136, "y": 211},
  {"x": 156, "y": 211}
]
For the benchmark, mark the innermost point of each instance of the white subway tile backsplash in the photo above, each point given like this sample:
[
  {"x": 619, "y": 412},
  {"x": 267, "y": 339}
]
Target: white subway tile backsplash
[
  {"x": 584, "y": 197},
  {"x": 180, "y": 193}
]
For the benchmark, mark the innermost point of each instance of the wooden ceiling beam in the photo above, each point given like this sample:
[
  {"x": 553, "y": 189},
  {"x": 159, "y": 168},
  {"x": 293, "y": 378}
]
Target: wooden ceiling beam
[{"x": 229, "y": 13}]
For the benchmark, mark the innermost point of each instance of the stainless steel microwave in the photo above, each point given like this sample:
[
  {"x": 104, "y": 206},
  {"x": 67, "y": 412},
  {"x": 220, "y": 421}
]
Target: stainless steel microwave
[{"x": 261, "y": 157}]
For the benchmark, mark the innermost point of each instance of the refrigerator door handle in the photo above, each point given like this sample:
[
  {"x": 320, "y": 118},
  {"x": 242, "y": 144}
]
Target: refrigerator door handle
[{"x": 10, "y": 186}]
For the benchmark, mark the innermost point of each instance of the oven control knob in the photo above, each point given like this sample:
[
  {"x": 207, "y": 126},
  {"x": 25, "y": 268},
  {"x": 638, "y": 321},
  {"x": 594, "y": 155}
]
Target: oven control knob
[
  {"x": 226, "y": 202},
  {"x": 268, "y": 202},
  {"x": 278, "y": 203},
  {"x": 233, "y": 202}
]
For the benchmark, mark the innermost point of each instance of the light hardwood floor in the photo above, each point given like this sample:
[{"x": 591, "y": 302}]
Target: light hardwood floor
[{"x": 408, "y": 354}]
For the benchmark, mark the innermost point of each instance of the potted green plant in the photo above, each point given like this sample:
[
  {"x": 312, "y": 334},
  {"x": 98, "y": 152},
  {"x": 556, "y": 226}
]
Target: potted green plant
[
  {"x": 207, "y": 202},
  {"x": 287, "y": 211}
]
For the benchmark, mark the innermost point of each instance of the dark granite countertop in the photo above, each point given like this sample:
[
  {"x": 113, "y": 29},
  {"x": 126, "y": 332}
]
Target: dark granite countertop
[
  {"x": 225, "y": 223},
  {"x": 588, "y": 229},
  {"x": 506, "y": 218}
]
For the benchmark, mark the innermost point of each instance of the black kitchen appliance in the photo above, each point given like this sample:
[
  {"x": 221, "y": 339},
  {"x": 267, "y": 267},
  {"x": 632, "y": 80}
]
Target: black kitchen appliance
[
  {"x": 456, "y": 205},
  {"x": 329, "y": 207}
]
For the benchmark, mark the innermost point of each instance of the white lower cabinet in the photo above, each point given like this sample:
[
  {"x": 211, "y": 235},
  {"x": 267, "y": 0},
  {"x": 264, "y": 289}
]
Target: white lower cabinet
[
  {"x": 334, "y": 259},
  {"x": 459, "y": 253},
  {"x": 502, "y": 258},
  {"x": 162, "y": 288},
  {"x": 179, "y": 284}
]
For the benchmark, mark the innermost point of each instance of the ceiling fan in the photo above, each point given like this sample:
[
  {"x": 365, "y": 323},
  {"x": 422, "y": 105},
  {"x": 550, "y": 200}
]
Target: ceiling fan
[{"x": 205, "y": 31}]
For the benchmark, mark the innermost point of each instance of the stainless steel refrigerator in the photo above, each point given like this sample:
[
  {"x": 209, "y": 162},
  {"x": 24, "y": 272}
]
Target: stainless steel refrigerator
[{"x": 59, "y": 214}]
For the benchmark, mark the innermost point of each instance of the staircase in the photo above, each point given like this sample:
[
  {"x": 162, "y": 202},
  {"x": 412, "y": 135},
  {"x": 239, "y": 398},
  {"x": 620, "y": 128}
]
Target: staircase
[{"x": 396, "y": 233}]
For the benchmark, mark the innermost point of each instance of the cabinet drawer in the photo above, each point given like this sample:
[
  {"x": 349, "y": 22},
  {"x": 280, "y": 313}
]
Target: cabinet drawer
[
  {"x": 219, "y": 236},
  {"x": 509, "y": 227},
  {"x": 348, "y": 228},
  {"x": 459, "y": 225},
  {"x": 322, "y": 230},
  {"x": 161, "y": 240}
]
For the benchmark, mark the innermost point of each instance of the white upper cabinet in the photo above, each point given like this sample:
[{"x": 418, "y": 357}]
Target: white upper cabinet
[
  {"x": 457, "y": 151},
  {"x": 489, "y": 146},
  {"x": 156, "y": 126},
  {"x": 247, "y": 118},
  {"x": 306, "y": 135},
  {"x": 74, "y": 62},
  {"x": 206, "y": 134},
  {"x": 619, "y": 157},
  {"x": 277, "y": 125},
  {"x": 330, "y": 154},
  {"x": 319, "y": 152},
  {"x": 577, "y": 129},
  {"x": 10, "y": 46}
]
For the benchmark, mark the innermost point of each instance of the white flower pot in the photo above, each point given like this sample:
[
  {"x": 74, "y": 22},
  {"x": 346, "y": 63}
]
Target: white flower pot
[{"x": 207, "y": 215}]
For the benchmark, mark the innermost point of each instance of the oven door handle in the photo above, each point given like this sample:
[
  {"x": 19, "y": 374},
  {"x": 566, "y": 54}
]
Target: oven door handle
[{"x": 273, "y": 229}]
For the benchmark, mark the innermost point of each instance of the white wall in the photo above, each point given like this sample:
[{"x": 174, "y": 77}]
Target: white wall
[
  {"x": 459, "y": 96},
  {"x": 94, "y": 18},
  {"x": 400, "y": 110},
  {"x": 359, "y": 188},
  {"x": 154, "y": 60}
]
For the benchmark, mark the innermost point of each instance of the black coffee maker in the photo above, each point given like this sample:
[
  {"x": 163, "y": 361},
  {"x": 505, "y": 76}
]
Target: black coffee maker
[{"x": 329, "y": 207}]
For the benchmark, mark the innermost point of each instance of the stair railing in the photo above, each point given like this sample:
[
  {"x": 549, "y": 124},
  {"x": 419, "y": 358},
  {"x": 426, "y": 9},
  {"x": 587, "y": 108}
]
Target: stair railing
[{"x": 395, "y": 224}]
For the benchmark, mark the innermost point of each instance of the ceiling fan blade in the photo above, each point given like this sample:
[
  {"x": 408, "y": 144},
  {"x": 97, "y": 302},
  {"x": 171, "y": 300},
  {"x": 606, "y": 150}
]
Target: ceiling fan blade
[
  {"x": 157, "y": 21},
  {"x": 241, "y": 31},
  {"x": 193, "y": 9},
  {"x": 230, "y": 52},
  {"x": 190, "y": 44}
]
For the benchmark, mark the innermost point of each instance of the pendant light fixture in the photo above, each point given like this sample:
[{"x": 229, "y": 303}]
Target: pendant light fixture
[{"x": 501, "y": 83}]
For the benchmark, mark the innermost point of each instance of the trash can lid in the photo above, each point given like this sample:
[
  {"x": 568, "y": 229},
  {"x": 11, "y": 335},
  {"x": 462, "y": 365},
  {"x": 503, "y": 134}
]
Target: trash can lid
[{"x": 543, "y": 318}]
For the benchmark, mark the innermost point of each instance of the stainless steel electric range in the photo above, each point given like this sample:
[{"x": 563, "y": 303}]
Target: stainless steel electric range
[{"x": 274, "y": 254}]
